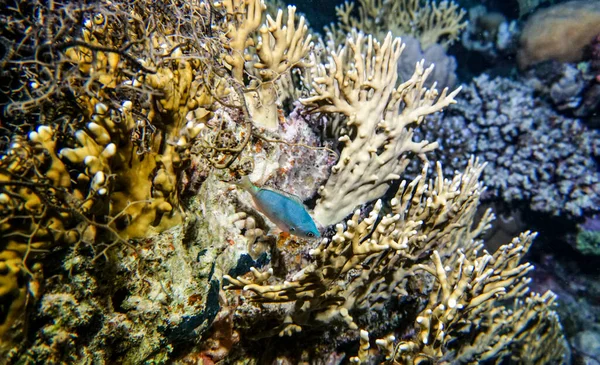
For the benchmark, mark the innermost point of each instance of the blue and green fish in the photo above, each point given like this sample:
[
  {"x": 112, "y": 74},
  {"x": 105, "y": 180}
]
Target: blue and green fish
[{"x": 285, "y": 210}]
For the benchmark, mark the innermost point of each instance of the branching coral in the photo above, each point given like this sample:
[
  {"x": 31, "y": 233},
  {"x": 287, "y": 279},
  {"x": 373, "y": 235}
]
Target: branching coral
[
  {"x": 279, "y": 49},
  {"x": 369, "y": 263},
  {"x": 113, "y": 131},
  {"x": 426, "y": 27},
  {"x": 428, "y": 21},
  {"x": 465, "y": 300},
  {"x": 528, "y": 331},
  {"x": 360, "y": 83}
]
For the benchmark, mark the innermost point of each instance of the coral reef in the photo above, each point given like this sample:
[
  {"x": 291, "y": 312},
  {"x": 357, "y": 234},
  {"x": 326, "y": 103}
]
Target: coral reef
[
  {"x": 368, "y": 263},
  {"x": 111, "y": 136},
  {"x": 119, "y": 226},
  {"x": 427, "y": 28},
  {"x": 535, "y": 155},
  {"x": 560, "y": 32}
]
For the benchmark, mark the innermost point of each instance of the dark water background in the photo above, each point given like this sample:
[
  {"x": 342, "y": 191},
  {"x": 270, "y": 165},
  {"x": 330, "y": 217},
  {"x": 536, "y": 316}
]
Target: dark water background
[{"x": 322, "y": 12}]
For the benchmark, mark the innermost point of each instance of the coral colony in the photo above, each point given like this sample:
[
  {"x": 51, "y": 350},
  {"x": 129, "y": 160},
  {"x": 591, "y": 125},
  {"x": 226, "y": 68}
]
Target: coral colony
[{"x": 128, "y": 124}]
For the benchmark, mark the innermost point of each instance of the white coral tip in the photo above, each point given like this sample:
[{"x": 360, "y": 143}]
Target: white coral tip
[
  {"x": 110, "y": 150},
  {"x": 101, "y": 108},
  {"x": 99, "y": 178}
]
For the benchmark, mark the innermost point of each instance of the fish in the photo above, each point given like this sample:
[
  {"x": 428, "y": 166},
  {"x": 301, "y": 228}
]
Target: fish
[{"x": 285, "y": 210}]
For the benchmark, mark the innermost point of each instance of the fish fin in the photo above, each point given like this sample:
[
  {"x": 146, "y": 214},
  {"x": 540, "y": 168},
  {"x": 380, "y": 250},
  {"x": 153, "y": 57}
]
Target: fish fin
[{"x": 289, "y": 196}]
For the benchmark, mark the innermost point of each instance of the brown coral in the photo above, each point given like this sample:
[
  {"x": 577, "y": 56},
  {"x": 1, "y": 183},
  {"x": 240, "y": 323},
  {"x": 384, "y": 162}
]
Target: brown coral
[
  {"x": 560, "y": 32},
  {"x": 104, "y": 169}
]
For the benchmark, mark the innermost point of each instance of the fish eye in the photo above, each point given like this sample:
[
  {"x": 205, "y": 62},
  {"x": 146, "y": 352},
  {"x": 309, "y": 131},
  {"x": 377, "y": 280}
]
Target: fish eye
[
  {"x": 310, "y": 234},
  {"x": 292, "y": 229}
]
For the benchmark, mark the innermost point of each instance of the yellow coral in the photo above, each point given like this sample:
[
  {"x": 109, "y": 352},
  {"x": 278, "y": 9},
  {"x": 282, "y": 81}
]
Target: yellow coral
[
  {"x": 31, "y": 180},
  {"x": 107, "y": 170},
  {"x": 279, "y": 49},
  {"x": 428, "y": 21}
]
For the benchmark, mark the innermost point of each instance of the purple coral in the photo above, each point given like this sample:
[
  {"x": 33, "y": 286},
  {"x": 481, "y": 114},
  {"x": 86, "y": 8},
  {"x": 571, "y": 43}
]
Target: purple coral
[
  {"x": 592, "y": 223},
  {"x": 535, "y": 155}
]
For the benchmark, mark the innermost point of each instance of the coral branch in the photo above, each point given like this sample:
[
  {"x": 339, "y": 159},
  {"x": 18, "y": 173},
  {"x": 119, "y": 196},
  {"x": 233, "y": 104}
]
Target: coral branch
[{"x": 359, "y": 83}]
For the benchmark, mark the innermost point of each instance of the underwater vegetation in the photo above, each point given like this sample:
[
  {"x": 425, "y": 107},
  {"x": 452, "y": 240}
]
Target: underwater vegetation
[{"x": 142, "y": 142}]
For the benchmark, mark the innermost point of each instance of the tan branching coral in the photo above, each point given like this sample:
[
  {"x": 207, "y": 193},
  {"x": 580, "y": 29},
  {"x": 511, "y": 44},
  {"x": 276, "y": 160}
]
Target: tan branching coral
[
  {"x": 360, "y": 84},
  {"x": 279, "y": 48},
  {"x": 369, "y": 262},
  {"x": 465, "y": 300},
  {"x": 428, "y": 21},
  {"x": 478, "y": 329},
  {"x": 430, "y": 231}
]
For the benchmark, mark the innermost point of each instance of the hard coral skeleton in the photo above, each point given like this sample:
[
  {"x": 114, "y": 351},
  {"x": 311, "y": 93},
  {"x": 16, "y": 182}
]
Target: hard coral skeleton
[{"x": 359, "y": 82}]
